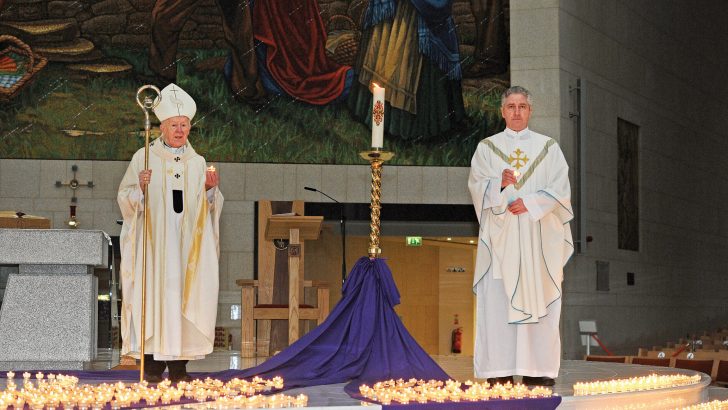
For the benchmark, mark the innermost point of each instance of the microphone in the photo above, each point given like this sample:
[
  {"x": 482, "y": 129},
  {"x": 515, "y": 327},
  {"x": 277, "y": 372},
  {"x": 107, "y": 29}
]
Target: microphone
[{"x": 308, "y": 188}]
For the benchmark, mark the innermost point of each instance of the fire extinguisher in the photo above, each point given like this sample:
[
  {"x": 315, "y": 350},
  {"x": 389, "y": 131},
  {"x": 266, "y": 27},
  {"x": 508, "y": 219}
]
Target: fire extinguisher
[{"x": 457, "y": 337}]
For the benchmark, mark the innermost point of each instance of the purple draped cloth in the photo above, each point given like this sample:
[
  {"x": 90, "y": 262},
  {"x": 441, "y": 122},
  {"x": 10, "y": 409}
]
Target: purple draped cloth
[{"x": 361, "y": 341}]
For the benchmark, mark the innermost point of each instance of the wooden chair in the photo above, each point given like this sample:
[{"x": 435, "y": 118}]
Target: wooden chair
[
  {"x": 252, "y": 311},
  {"x": 649, "y": 361},
  {"x": 721, "y": 376},
  {"x": 609, "y": 359},
  {"x": 705, "y": 366}
]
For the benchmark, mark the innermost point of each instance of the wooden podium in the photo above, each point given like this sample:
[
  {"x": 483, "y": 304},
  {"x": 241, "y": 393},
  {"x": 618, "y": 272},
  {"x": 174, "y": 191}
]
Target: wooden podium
[{"x": 266, "y": 306}]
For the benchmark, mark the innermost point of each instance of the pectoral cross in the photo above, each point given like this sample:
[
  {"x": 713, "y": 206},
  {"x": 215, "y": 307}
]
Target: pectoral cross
[
  {"x": 74, "y": 184},
  {"x": 518, "y": 159}
]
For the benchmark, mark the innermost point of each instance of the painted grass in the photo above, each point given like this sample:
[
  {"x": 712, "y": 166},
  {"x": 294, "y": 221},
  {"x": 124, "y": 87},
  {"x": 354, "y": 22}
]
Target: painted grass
[{"x": 61, "y": 117}]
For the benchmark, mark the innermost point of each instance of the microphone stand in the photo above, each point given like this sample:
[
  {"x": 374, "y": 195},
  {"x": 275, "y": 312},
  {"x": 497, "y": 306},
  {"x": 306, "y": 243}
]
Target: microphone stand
[{"x": 342, "y": 225}]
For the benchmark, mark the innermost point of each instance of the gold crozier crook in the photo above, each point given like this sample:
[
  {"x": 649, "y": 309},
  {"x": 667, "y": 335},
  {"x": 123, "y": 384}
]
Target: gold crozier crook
[{"x": 147, "y": 105}]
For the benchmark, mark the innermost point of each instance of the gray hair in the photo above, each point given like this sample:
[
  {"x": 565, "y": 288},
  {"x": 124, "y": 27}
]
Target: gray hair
[{"x": 516, "y": 89}]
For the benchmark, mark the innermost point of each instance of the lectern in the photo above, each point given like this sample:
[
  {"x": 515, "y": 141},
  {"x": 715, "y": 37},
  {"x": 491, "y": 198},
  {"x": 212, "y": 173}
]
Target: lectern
[{"x": 294, "y": 229}]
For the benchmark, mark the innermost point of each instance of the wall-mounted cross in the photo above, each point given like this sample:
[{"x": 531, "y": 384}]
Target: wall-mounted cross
[{"x": 74, "y": 184}]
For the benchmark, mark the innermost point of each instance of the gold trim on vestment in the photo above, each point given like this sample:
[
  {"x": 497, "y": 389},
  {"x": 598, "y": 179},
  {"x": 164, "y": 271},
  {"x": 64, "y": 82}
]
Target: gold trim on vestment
[
  {"x": 163, "y": 258},
  {"x": 496, "y": 151},
  {"x": 150, "y": 260},
  {"x": 194, "y": 256}
]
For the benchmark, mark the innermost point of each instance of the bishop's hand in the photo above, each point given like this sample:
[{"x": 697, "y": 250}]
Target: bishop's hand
[
  {"x": 212, "y": 179},
  {"x": 145, "y": 176}
]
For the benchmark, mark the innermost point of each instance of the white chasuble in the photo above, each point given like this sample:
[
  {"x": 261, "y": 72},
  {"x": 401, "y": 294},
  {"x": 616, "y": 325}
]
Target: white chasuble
[
  {"x": 520, "y": 259},
  {"x": 182, "y": 255}
]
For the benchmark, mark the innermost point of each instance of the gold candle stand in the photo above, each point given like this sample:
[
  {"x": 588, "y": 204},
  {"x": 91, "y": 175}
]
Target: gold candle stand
[{"x": 376, "y": 158}]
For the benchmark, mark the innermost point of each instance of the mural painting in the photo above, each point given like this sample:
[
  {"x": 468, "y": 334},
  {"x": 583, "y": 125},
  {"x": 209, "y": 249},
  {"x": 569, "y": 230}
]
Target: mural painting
[{"x": 276, "y": 82}]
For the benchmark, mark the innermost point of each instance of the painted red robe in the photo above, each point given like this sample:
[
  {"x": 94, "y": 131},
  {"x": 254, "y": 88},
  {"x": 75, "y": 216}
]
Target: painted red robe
[{"x": 295, "y": 37}]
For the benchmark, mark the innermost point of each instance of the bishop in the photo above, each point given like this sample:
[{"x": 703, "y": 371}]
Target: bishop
[{"x": 183, "y": 230}]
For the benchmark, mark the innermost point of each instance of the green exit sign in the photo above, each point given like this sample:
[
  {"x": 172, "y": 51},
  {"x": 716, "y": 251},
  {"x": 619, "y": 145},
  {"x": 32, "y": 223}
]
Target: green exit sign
[{"x": 414, "y": 241}]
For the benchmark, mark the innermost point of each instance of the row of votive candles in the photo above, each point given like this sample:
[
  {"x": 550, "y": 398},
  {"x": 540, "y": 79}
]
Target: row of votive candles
[
  {"x": 711, "y": 405},
  {"x": 651, "y": 382},
  {"x": 420, "y": 391},
  {"x": 57, "y": 391}
]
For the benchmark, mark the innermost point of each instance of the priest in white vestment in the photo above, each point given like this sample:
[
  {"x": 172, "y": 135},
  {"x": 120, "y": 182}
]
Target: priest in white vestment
[
  {"x": 184, "y": 205},
  {"x": 520, "y": 189}
]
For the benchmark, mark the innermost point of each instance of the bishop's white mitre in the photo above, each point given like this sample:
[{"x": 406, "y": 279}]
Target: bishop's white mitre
[{"x": 175, "y": 102}]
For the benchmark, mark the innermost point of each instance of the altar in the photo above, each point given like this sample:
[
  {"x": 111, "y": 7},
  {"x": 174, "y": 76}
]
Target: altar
[{"x": 48, "y": 316}]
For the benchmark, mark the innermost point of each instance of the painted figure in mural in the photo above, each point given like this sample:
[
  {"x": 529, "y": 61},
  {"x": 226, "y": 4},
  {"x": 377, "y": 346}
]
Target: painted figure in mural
[
  {"x": 168, "y": 18},
  {"x": 291, "y": 48},
  {"x": 491, "y": 42},
  {"x": 520, "y": 188},
  {"x": 276, "y": 47},
  {"x": 184, "y": 204},
  {"x": 410, "y": 48}
]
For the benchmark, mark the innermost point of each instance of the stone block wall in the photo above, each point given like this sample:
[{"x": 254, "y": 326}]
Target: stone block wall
[
  {"x": 637, "y": 65},
  {"x": 29, "y": 186}
]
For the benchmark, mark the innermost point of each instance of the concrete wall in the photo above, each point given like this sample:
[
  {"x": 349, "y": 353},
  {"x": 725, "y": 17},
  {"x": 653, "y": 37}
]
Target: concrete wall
[
  {"x": 29, "y": 186},
  {"x": 638, "y": 65}
]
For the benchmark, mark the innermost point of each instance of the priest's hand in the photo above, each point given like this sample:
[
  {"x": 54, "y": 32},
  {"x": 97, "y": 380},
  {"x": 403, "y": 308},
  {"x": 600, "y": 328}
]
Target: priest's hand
[
  {"x": 517, "y": 207},
  {"x": 212, "y": 179},
  {"x": 144, "y": 177},
  {"x": 508, "y": 178}
]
